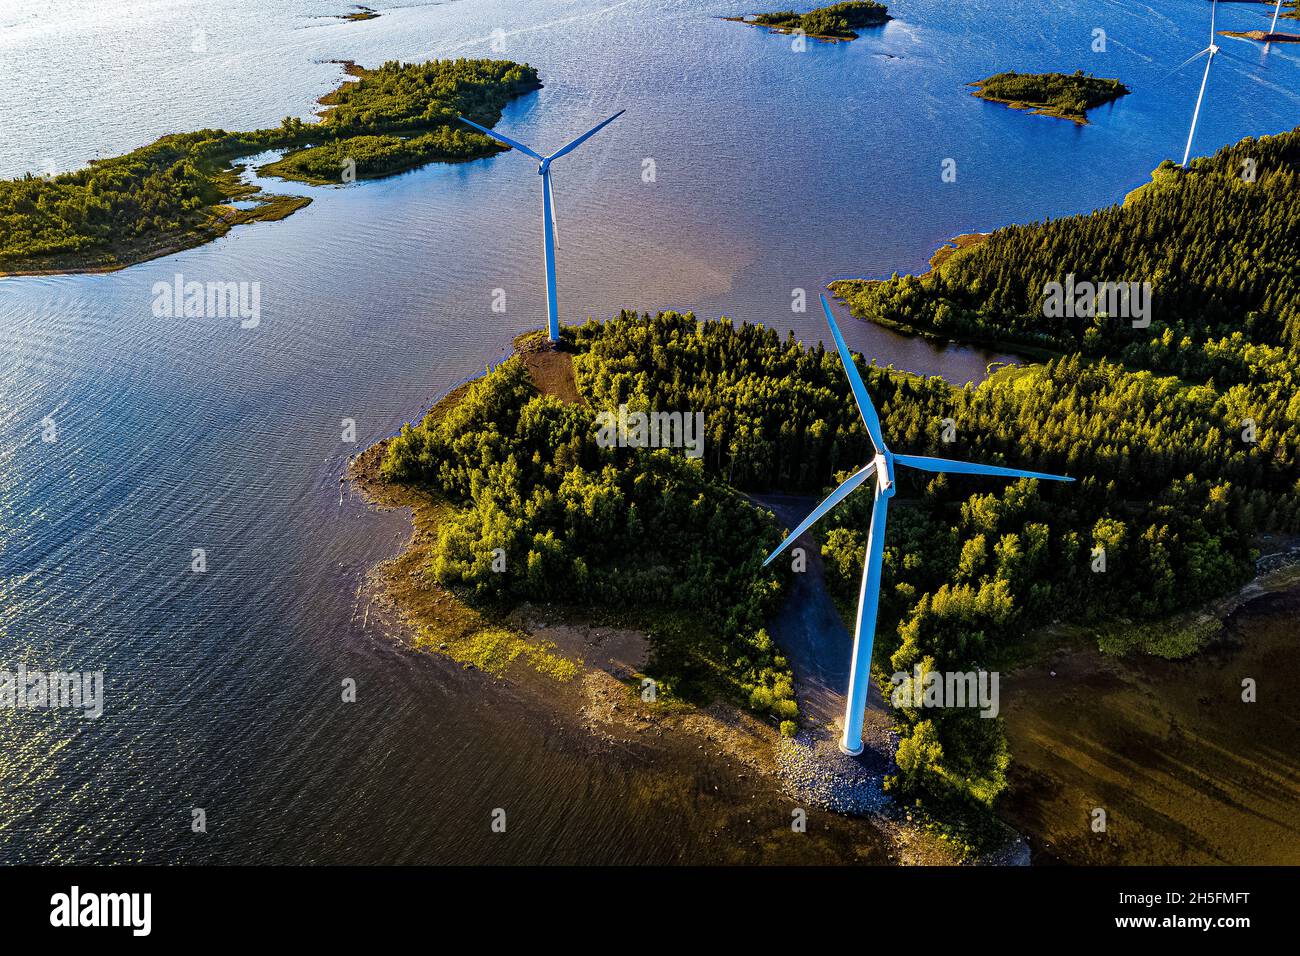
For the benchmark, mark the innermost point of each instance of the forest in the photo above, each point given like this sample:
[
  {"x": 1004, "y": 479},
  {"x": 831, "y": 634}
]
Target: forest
[
  {"x": 1217, "y": 244},
  {"x": 839, "y": 21},
  {"x": 1184, "y": 430},
  {"x": 1170, "y": 496},
  {"x": 169, "y": 195},
  {"x": 544, "y": 513},
  {"x": 1068, "y": 96}
]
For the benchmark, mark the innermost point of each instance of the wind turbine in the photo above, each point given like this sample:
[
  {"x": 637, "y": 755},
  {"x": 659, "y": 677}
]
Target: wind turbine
[
  {"x": 548, "y": 207},
  {"x": 1213, "y": 51},
  {"x": 882, "y": 466}
]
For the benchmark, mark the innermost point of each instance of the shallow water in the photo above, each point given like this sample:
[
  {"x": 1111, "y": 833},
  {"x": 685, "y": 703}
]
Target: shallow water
[{"x": 775, "y": 170}]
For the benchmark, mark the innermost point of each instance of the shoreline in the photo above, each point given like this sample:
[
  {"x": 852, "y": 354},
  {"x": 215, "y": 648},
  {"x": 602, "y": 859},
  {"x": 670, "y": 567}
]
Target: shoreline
[
  {"x": 1262, "y": 36},
  {"x": 841, "y": 288},
  {"x": 1033, "y": 109},
  {"x": 601, "y": 700},
  {"x": 221, "y": 168},
  {"x": 788, "y": 31},
  {"x": 275, "y": 207},
  {"x": 1079, "y": 720}
]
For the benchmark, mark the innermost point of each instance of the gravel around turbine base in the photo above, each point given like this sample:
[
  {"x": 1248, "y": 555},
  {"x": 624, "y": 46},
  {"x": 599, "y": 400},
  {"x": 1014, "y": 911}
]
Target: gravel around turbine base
[{"x": 813, "y": 769}]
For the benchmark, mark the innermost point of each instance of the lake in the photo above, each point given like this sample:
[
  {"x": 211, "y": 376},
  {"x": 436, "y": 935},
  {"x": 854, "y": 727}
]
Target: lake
[{"x": 774, "y": 170}]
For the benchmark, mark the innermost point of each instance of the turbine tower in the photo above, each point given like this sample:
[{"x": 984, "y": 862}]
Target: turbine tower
[
  {"x": 1213, "y": 51},
  {"x": 882, "y": 466},
  {"x": 1276, "y": 10},
  {"x": 548, "y": 208}
]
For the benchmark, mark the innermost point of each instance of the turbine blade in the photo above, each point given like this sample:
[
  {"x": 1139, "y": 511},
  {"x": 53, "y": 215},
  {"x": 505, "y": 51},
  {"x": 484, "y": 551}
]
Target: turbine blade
[
  {"x": 865, "y": 408},
  {"x": 834, "y": 498},
  {"x": 971, "y": 468},
  {"x": 1214, "y": 10},
  {"x": 550, "y": 190},
  {"x": 502, "y": 139},
  {"x": 1194, "y": 56},
  {"x": 570, "y": 147}
]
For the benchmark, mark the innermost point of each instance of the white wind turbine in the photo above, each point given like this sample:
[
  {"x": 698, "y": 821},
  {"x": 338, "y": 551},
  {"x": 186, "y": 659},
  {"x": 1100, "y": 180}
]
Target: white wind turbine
[
  {"x": 882, "y": 466},
  {"x": 1213, "y": 51},
  {"x": 548, "y": 207}
]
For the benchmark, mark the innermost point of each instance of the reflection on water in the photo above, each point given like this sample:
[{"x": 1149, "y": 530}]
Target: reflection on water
[{"x": 774, "y": 170}]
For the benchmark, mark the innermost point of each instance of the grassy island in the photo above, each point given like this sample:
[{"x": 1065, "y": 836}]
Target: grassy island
[
  {"x": 174, "y": 194},
  {"x": 839, "y": 21},
  {"x": 1067, "y": 96}
]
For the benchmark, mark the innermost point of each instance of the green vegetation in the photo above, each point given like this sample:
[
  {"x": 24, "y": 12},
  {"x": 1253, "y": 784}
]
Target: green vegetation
[
  {"x": 376, "y": 156},
  {"x": 972, "y": 565},
  {"x": 1188, "y": 430},
  {"x": 1068, "y": 96},
  {"x": 1217, "y": 313},
  {"x": 541, "y": 512},
  {"x": 170, "y": 195},
  {"x": 839, "y": 21},
  {"x": 494, "y": 649}
]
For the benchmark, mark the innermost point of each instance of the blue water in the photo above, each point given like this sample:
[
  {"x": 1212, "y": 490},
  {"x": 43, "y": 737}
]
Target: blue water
[{"x": 774, "y": 170}]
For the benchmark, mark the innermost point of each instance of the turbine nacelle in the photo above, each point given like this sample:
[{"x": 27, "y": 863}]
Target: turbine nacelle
[{"x": 884, "y": 466}]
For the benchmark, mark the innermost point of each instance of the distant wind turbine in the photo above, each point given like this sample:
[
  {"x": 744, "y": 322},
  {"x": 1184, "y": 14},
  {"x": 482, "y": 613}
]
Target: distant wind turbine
[
  {"x": 548, "y": 207},
  {"x": 1213, "y": 51},
  {"x": 883, "y": 468}
]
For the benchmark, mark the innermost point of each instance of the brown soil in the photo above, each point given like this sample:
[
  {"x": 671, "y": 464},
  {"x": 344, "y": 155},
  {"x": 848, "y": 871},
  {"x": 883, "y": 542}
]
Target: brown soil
[{"x": 552, "y": 373}]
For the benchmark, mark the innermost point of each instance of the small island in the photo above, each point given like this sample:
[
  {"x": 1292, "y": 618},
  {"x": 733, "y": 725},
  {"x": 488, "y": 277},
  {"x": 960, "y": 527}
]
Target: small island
[
  {"x": 1261, "y": 36},
  {"x": 839, "y": 21},
  {"x": 1289, "y": 11},
  {"x": 359, "y": 13},
  {"x": 178, "y": 192},
  {"x": 1063, "y": 95}
]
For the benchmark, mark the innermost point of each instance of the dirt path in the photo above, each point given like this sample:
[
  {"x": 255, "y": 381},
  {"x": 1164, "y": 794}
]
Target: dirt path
[{"x": 812, "y": 633}]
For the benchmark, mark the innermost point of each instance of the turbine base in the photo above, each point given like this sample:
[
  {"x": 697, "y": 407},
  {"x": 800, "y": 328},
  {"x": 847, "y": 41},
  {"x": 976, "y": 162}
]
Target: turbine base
[{"x": 851, "y": 753}]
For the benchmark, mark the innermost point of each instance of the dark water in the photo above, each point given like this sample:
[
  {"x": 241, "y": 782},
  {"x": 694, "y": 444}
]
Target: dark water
[{"x": 775, "y": 170}]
